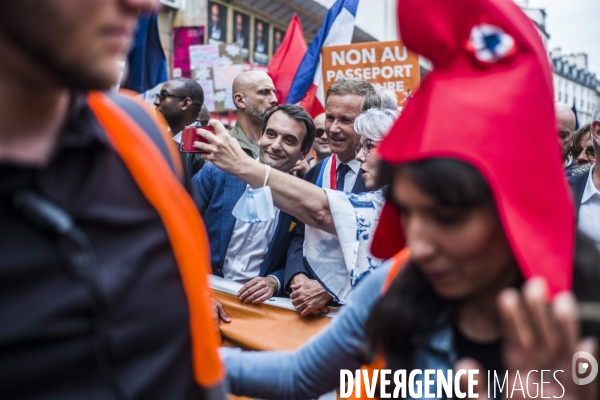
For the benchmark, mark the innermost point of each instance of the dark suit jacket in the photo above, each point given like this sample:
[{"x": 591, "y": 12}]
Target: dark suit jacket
[
  {"x": 578, "y": 186},
  {"x": 216, "y": 193},
  {"x": 296, "y": 263}
]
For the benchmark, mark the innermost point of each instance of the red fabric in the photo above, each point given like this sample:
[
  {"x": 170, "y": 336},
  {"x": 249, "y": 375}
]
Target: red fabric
[
  {"x": 333, "y": 173},
  {"x": 498, "y": 117},
  {"x": 287, "y": 59},
  {"x": 310, "y": 103}
]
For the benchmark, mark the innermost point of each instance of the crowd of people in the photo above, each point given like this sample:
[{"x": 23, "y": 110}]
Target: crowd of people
[{"x": 440, "y": 247}]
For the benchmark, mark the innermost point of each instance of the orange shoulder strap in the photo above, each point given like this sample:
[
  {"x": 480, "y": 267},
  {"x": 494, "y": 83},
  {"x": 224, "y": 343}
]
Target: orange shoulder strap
[
  {"x": 182, "y": 222},
  {"x": 397, "y": 262}
]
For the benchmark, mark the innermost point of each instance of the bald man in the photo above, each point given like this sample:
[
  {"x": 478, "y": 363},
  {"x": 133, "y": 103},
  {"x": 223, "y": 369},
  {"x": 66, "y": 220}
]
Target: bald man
[
  {"x": 565, "y": 124},
  {"x": 203, "y": 115},
  {"x": 321, "y": 143},
  {"x": 253, "y": 96}
]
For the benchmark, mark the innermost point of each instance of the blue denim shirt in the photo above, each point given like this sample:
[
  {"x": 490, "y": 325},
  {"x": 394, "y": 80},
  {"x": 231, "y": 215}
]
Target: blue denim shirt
[{"x": 314, "y": 369}]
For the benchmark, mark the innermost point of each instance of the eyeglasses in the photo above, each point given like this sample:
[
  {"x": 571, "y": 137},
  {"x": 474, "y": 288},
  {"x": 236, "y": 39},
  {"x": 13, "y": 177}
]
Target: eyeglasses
[
  {"x": 589, "y": 152},
  {"x": 366, "y": 146},
  {"x": 319, "y": 132},
  {"x": 163, "y": 95}
]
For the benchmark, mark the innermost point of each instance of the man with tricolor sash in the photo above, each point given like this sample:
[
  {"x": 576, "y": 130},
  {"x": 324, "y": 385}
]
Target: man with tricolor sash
[{"x": 315, "y": 262}]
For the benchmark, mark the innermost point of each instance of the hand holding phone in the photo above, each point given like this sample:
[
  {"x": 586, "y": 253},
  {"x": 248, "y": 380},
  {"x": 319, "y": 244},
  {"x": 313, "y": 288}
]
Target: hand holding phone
[{"x": 189, "y": 137}]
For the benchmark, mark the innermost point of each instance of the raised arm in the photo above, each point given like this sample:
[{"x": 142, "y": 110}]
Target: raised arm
[{"x": 292, "y": 195}]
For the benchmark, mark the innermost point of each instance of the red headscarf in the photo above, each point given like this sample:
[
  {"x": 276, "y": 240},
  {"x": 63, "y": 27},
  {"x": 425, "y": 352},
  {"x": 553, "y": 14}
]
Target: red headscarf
[{"x": 487, "y": 102}]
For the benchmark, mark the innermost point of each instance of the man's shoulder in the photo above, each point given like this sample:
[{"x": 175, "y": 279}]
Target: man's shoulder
[
  {"x": 313, "y": 174},
  {"x": 574, "y": 180},
  {"x": 218, "y": 175}
]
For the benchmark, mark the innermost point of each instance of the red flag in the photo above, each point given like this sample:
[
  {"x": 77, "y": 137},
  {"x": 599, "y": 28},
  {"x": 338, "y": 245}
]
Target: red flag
[{"x": 287, "y": 59}]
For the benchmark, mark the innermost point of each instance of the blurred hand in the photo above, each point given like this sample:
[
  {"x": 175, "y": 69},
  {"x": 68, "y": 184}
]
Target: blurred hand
[
  {"x": 219, "y": 314},
  {"x": 258, "y": 290},
  {"x": 539, "y": 334}
]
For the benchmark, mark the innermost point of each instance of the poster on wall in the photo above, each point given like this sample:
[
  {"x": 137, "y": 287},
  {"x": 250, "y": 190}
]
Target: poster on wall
[
  {"x": 261, "y": 42},
  {"x": 215, "y": 66},
  {"x": 387, "y": 64},
  {"x": 277, "y": 38},
  {"x": 217, "y": 23},
  {"x": 241, "y": 32},
  {"x": 183, "y": 38}
]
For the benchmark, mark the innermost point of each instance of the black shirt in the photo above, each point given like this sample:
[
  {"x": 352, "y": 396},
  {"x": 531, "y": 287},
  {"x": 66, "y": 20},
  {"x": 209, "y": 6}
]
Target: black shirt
[
  {"x": 47, "y": 342},
  {"x": 487, "y": 353}
]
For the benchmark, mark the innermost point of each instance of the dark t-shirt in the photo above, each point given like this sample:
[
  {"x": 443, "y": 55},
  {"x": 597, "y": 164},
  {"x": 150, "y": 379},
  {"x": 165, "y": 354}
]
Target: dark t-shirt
[
  {"x": 47, "y": 345},
  {"x": 488, "y": 354}
]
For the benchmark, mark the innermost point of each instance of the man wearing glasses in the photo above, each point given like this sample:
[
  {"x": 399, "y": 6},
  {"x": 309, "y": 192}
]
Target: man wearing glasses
[
  {"x": 586, "y": 188},
  {"x": 321, "y": 143},
  {"x": 179, "y": 102}
]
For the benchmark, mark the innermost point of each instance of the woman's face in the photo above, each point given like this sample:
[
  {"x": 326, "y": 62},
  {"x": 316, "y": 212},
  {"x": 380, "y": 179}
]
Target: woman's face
[
  {"x": 462, "y": 253},
  {"x": 368, "y": 162},
  {"x": 585, "y": 151}
]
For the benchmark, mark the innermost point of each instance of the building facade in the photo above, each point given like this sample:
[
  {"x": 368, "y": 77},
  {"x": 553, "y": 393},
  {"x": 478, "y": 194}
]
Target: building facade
[
  {"x": 574, "y": 85},
  {"x": 258, "y": 25}
]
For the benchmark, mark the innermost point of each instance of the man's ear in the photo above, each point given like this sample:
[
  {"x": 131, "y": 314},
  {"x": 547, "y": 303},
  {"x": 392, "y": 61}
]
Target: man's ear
[
  {"x": 305, "y": 153},
  {"x": 187, "y": 103},
  {"x": 239, "y": 100},
  {"x": 596, "y": 131}
]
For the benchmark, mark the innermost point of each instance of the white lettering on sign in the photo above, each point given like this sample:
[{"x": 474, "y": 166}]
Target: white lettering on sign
[
  {"x": 353, "y": 57},
  {"x": 388, "y": 55},
  {"x": 387, "y": 72}
]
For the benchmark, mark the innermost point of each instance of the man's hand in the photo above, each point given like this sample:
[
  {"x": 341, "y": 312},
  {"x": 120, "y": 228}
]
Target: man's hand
[
  {"x": 258, "y": 290},
  {"x": 219, "y": 314},
  {"x": 221, "y": 149},
  {"x": 308, "y": 296},
  {"x": 301, "y": 168}
]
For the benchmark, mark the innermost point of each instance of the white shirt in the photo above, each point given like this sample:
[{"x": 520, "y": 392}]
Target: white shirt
[
  {"x": 350, "y": 178},
  {"x": 589, "y": 212},
  {"x": 247, "y": 249}
]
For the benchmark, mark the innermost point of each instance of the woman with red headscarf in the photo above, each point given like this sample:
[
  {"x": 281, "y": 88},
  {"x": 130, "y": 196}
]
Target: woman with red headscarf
[{"x": 493, "y": 276}]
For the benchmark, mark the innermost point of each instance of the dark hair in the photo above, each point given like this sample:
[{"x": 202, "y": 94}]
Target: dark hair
[
  {"x": 579, "y": 134},
  {"x": 392, "y": 325},
  {"x": 193, "y": 90},
  {"x": 299, "y": 114},
  {"x": 398, "y": 316}
]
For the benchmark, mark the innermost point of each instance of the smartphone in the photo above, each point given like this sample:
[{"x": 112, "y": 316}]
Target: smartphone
[{"x": 189, "y": 137}]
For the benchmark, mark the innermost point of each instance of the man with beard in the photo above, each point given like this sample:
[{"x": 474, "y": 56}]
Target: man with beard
[
  {"x": 253, "y": 96},
  {"x": 180, "y": 101},
  {"x": 254, "y": 254},
  {"x": 99, "y": 241}
]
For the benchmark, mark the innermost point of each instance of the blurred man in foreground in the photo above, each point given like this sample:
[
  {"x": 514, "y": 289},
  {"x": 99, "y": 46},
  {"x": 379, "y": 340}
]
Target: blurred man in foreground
[{"x": 93, "y": 283}]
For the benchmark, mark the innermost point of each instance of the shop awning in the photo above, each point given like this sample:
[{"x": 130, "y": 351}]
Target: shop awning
[{"x": 280, "y": 12}]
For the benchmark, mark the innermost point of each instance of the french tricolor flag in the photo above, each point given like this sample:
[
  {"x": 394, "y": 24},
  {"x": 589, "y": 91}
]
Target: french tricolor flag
[{"x": 337, "y": 29}]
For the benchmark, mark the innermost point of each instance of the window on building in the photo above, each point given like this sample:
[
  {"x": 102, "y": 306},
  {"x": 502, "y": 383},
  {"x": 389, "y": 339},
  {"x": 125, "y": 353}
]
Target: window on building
[{"x": 559, "y": 96}]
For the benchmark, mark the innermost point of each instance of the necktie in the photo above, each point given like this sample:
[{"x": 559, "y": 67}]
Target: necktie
[{"x": 343, "y": 169}]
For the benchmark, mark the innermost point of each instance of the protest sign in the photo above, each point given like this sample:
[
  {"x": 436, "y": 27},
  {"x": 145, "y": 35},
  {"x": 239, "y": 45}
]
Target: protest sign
[
  {"x": 387, "y": 64},
  {"x": 215, "y": 66},
  {"x": 183, "y": 38}
]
